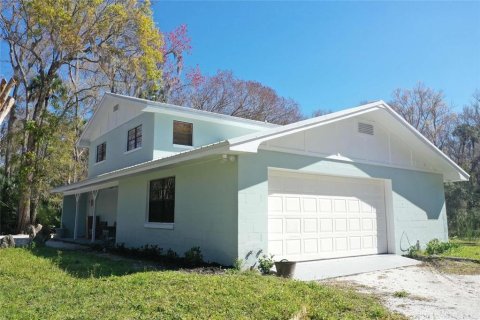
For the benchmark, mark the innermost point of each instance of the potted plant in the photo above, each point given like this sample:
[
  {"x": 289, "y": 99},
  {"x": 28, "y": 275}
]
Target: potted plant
[
  {"x": 285, "y": 268},
  {"x": 265, "y": 263}
]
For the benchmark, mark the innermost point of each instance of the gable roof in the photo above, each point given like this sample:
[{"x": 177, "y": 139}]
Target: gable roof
[
  {"x": 137, "y": 106},
  {"x": 251, "y": 142}
]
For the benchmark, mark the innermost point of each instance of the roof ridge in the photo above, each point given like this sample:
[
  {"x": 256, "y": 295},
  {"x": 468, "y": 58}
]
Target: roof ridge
[{"x": 191, "y": 109}]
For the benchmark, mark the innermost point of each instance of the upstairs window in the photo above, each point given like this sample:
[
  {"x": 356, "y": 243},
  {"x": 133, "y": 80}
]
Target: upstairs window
[
  {"x": 182, "y": 133},
  {"x": 101, "y": 152},
  {"x": 134, "y": 138},
  {"x": 161, "y": 206}
]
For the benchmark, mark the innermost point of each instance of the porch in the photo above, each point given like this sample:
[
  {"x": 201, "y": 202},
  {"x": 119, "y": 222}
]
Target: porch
[{"x": 90, "y": 214}]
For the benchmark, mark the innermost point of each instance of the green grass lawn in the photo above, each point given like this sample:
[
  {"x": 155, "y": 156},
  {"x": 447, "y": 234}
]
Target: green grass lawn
[
  {"x": 466, "y": 249},
  {"x": 44, "y": 283}
]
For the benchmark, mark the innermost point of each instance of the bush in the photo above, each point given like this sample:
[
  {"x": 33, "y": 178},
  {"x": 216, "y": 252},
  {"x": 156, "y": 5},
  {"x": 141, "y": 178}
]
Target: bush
[
  {"x": 49, "y": 215},
  {"x": 151, "y": 251},
  {"x": 194, "y": 257},
  {"x": 265, "y": 263},
  {"x": 238, "y": 264},
  {"x": 412, "y": 252},
  {"x": 171, "y": 255},
  {"x": 436, "y": 246}
]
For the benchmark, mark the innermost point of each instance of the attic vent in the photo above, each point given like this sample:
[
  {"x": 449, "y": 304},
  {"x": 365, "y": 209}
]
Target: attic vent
[
  {"x": 365, "y": 128},
  {"x": 115, "y": 107}
]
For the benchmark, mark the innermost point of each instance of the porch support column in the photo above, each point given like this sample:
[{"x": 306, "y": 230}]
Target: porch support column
[
  {"x": 94, "y": 221},
  {"x": 77, "y": 199}
]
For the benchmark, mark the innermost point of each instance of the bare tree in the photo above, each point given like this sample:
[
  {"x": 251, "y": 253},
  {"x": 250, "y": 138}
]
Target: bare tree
[
  {"x": 426, "y": 110},
  {"x": 224, "y": 93}
]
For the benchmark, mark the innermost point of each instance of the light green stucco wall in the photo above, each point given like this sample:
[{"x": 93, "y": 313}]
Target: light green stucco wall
[
  {"x": 205, "y": 210},
  {"x": 418, "y": 198},
  {"x": 157, "y": 140},
  {"x": 204, "y": 133},
  {"x": 117, "y": 146},
  {"x": 221, "y": 206}
]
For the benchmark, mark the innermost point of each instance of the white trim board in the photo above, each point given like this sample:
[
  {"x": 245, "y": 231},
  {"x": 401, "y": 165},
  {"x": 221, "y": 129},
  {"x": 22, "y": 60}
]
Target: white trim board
[
  {"x": 344, "y": 159},
  {"x": 198, "y": 153},
  {"x": 91, "y": 188},
  {"x": 251, "y": 142},
  {"x": 143, "y": 105}
]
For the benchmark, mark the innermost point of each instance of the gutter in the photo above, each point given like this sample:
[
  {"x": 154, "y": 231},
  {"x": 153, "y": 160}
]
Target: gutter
[{"x": 215, "y": 148}]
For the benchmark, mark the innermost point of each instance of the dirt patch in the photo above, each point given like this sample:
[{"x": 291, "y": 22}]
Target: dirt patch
[
  {"x": 146, "y": 265},
  {"x": 421, "y": 292},
  {"x": 455, "y": 267}
]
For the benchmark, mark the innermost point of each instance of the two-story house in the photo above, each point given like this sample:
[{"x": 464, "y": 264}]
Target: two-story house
[{"x": 356, "y": 182}]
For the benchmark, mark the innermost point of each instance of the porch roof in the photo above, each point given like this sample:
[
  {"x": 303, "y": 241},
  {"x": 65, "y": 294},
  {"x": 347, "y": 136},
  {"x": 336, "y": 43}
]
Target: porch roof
[{"x": 110, "y": 179}]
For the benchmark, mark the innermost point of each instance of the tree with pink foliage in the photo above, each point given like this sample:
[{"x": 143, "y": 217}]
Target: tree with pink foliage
[{"x": 227, "y": 94}]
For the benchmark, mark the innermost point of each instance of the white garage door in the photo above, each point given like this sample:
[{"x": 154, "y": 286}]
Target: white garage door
[{"x": 316, "y": 216}]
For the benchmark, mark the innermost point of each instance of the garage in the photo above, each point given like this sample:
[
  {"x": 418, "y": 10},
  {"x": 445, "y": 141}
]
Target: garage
[{"x": 312, "y": 216}]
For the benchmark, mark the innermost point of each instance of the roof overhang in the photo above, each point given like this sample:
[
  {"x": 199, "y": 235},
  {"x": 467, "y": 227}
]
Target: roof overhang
[
  {"x": 142, "y": 105},
  {"x": 250, "y": 143},
  {"x": 104, "y": 180}
]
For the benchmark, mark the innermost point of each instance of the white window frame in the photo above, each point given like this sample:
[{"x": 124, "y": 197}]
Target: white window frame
[{"x": 159, "y": 225}]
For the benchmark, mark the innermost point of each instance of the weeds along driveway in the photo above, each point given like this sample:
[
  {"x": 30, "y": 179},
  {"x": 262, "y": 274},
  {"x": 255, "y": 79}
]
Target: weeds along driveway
[{"x": 422, "y": 292}]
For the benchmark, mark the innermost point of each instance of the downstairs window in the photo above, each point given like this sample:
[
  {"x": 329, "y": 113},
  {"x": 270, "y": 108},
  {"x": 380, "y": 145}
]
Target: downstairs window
[{"x": 161, "y": 201}]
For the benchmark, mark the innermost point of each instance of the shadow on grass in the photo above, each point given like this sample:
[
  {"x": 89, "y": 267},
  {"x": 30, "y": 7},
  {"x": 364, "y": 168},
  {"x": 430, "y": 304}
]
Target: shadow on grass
[{"x": 84, "y": 264}]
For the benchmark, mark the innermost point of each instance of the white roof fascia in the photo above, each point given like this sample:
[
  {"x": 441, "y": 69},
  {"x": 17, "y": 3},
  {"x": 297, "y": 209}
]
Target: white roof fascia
[
  {"x": 212, "y": 149},
  {"x": 92, "y": 188},
  {"x": 251, "y": 142},
  {"x": 209, "y": 118},
  {"x": 89, "y": 123},
  {"x": 161, "y": 107},
  {"x": 165, "y": 108},
  {"x": 463, "y": 173}
]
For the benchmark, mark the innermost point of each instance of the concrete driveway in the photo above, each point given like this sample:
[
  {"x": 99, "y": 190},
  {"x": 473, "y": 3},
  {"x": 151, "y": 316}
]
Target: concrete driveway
[
  {"x": 421, "y": 292},
  {"x": 339, "y": 267}
]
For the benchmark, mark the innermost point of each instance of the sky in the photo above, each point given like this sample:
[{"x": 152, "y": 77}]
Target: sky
[{"x": 334, "y": 55}]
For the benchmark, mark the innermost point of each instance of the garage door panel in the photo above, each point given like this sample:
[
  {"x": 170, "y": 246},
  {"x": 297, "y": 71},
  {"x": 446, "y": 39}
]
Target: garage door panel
[
  {"x": 323, "y": 217},
  {"x": 292, "y": 204},
  {"x": 309, "y": 205},
  {"x": 310, "y": 245},
  {"x": 293, "y": 246},
  {"x": 353, "y": 206},
  {"x": 340, "y": 205},
  {"x": 325, "y": 205},
  {"x": 275, "y": 247},
  {"x": 340, "y": 224},
  {"x": 367, "y": 242},
  {"x": 310, "y": 225},
  {"x": 326, "y": 225},
  {"x": 275, "y": 225},
  {"x": 326, "y": 244},
  {"x": 275, "y": 203},
  {"x": 341, "y": 244},
  {"x": 293, "y": 225},
  {"x": 355, "y": 243}
]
